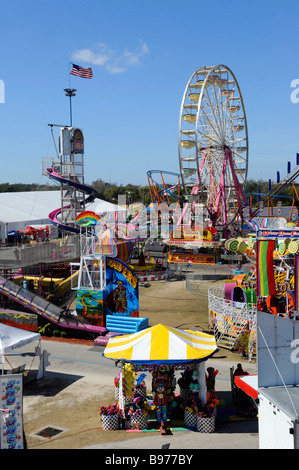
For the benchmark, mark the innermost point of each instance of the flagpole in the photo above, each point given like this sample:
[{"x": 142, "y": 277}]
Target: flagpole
[
  {"x": 70, "y": 92},
  {"x": 70, "y": 68}
]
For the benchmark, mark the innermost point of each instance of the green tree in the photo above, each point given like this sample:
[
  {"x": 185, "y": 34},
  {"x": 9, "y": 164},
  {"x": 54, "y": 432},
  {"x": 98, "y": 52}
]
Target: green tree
[
  {"x": 100, "y": 186},
  {"x": 144, "y": 195},
  {"x": 132, "y": 193},
  {"x": 112, "y": 192},
  {"x": 254, "y": 186},
  {"x": 23, "y": 187}
]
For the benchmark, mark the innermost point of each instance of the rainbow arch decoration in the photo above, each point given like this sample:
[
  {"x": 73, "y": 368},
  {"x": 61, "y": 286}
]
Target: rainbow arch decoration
[{"x": 88, "y": 218}]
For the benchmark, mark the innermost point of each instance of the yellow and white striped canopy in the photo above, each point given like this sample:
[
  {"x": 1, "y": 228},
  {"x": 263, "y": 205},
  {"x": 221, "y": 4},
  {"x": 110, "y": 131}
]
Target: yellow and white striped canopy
[{"x": 160, "y": 344}]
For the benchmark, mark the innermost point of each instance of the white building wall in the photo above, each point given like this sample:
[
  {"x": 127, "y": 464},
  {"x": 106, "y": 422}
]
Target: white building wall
[
  {"x": 2, "y": 231},
  {"x": 274, "y": 426}
]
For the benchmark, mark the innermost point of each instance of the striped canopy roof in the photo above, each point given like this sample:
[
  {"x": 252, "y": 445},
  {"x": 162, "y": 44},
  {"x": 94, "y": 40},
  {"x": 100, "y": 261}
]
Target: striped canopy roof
[
  {"x": 161, "y": 344},
  {"x": 107, "y": 244},
  {"x": 111, "y": 245}
]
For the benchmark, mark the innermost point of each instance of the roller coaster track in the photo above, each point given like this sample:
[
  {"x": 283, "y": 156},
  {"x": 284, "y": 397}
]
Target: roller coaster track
[
  {"x": 158, "y": 191},
  {"x": 280, "y": 186}
]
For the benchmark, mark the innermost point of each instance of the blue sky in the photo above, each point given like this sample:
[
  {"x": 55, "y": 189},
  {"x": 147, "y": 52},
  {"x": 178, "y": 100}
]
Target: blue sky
[{"x": 142, "y": 54}]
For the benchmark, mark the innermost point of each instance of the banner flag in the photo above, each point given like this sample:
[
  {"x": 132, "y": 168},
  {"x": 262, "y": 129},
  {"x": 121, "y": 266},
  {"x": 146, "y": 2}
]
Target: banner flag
[
  {"x": 296, "y": 283},
  {"x": 265, "y": 281}
]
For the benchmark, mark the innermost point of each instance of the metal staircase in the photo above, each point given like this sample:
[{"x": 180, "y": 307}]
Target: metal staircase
[
  {"x": 229, "y": 320},
  {"x": 228, "y": 331}
]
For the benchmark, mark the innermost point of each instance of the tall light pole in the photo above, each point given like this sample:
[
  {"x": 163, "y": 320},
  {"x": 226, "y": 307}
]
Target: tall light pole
[{"x": 70, "y": 92}]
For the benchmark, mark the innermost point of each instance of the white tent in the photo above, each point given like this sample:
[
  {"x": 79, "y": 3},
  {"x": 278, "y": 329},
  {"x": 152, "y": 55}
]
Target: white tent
[
  {"x": 12, "y": 338},
  {"x": 17, "y": 210}
]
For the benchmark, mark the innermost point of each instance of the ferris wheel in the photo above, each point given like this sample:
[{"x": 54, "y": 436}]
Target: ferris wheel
[{"x": 213, "y": 143}]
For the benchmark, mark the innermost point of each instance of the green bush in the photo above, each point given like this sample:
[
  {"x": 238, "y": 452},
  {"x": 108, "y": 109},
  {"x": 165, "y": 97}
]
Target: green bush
[{"x": 45, "y": 330}]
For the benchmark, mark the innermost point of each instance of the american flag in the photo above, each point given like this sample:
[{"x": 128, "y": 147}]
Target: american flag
[{"x": 81, "y": 72}]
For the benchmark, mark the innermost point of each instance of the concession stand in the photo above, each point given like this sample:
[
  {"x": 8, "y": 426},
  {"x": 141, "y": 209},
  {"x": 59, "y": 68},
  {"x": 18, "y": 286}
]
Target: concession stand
[{"x": 163, "y": 352}]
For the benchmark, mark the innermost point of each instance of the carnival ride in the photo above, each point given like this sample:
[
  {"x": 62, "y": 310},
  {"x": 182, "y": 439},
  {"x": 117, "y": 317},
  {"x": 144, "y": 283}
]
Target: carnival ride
[
  {"x": 274, "y": 191},
  {"x": 44, "y": 295},
  {"x": 165, "y": 186},
  {"x": 213, "y": 154},
  {"x": 207, "y": 196},
  {"x": 213, "y": 144},
  {"x": 213, "y": 161},
  {"x": 232, "y": 309},
  {"x": 213, "y": 158},
  {"x": 46, "y": 309},
  {"x": 53, "y": 216},
  {"x": 97, "y": 242},
  {"x": 233, "y": 317}
]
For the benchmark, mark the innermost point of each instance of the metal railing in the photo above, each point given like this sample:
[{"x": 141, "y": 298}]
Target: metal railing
[
  {"x": 29, "y": 299},
  {"x": 230, "y": 320},
  {"x": 51, "y": 251},
  {"x": 40, "y": 305},
  {"x": 219, "y": 304}
]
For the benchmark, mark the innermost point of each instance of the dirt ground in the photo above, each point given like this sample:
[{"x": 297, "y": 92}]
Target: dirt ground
[
  {"x": 170, "y": 303},
  {"x": 64, "y": 405}
]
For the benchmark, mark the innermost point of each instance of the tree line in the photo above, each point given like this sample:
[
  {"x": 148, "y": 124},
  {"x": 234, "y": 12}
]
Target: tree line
[
  {"x": 110, "y": 191},
  {"x": 23, "y": 187},
  {"x": 254, "y": 187},
  {"x": 106, "y": 191}
]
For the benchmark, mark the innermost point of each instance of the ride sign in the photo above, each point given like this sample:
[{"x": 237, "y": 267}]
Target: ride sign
[
  {"x": 11, "y": 409},
  {"x": 78, "y": 141}
]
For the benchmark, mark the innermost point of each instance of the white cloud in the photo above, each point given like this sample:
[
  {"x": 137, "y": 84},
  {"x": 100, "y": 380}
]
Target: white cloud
[
  {"x": 86, "y": 55},
  {"x": 113, "y": 61}
]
